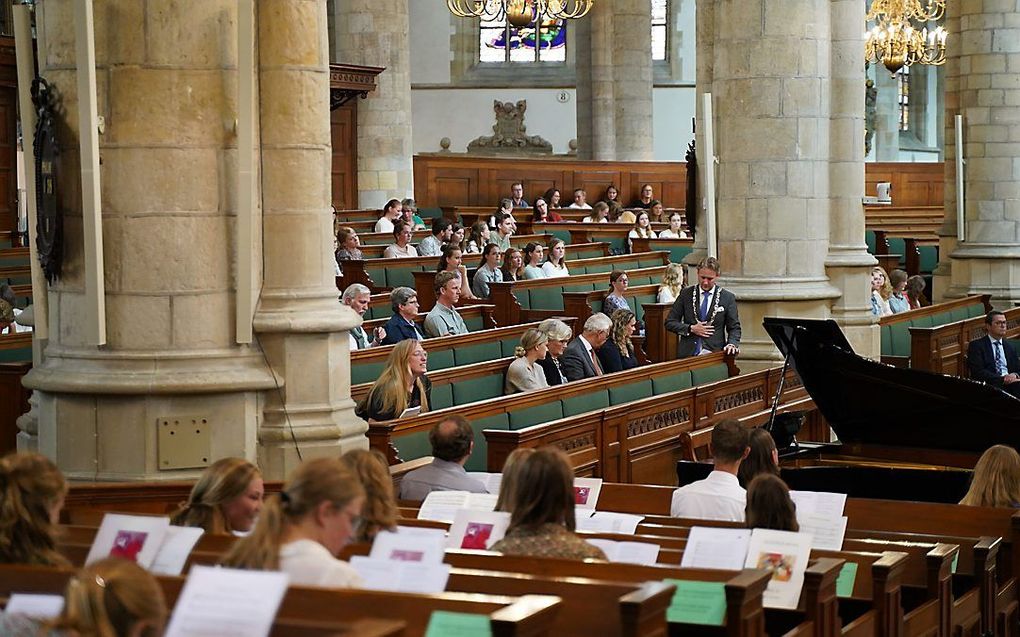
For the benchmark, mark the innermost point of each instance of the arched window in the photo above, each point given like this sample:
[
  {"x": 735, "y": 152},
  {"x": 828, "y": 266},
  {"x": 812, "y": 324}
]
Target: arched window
[
  {"x": 502, "y": 42},
  {"x": 660, "y": 30}
]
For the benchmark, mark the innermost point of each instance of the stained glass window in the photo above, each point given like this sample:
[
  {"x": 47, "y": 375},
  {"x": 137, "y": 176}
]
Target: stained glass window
[
  {"x": 503, "y": 42},
  {"x": 660, "y": 13},
  {"x": 903, "y": 90}
]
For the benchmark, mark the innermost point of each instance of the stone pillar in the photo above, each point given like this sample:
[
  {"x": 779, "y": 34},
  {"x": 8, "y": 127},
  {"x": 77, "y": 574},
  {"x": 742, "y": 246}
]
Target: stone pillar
[
  {"x": 772, "y": 110},
  {"x": 596, "y": 104},
  {"x": 375, "y": 33},
  {"x": 887, "y": 116},
  {"x": 300, "y": 324},
  {"x": 985, "y": 89},
  {"x": 942, "y": 275},
  {"x": 848, "y": 263},
  {"x": 167, "y": 86},
  {"x": 632, "y": 66}
]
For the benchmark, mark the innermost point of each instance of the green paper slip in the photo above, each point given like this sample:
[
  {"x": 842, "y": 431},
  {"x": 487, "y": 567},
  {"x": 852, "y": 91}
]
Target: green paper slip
[
  {"x": 956, "y": 558},
  {"x": 697, "y": 602},
  {"x": 846, "y": 579},
  {"x": 448, "y": 624}
]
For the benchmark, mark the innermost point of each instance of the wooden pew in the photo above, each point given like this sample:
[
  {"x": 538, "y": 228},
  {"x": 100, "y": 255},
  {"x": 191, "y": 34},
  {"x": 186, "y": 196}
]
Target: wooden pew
[
  {"x": 476, "y": 316},
  {"x": 678, "y": 248},
  {"x": 943, "y": 348},
  {"x": 905, "y": 221},
  {"x": 896, "y": 340}
]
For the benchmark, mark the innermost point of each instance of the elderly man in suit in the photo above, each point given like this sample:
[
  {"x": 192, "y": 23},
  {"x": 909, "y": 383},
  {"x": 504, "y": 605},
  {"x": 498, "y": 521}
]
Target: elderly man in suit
[
  {"x": 992, "y": 359},
  {"x": 705, "y": 315},
  {"x": 579, "y": 360}
]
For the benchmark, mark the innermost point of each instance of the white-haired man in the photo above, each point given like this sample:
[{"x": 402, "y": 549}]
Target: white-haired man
[
  {"x": 579, "y": 360},
  {"x": 357, "y": 297}
]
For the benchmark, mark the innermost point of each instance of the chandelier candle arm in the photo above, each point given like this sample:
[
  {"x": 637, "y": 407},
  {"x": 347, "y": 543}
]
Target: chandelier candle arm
[
  {"x": 520, "y": 13},
  {"x": 896, "y": 42}
]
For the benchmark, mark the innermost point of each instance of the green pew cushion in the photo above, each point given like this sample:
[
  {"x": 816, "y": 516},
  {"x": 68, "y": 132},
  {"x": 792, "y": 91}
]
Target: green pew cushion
[
  {"x": 440, "y": 359},
  {"x": 598, "y": 268},
  {"x": 430, "y": 213},
  {"x": 650, "y": 262},
  {"x": 672, "y": 382},
  {"x": 366, "y": 372},
  {"x": 941, "y": 318},
  {"x": 869, "y": 239},
  {"x": 579, "y": 287},
  {"x": 630, "y": 392},
  {"x": 475, "y": 389},
  {"x": 923, "y": 321},
  {"x": 378, "y": 276},
  {"x": 478, "y": 461},
  {"x": 442, "y": 397},
  {"x": 378, "y": 312},
  {"x": 20, "y": 355},
  {"x": 586, "y": 402},
  {"x": 639, "y": 301},
  {"x": 596, "y": 306},
  {"x": 900, "y": 339},
  {"x": 959, "y": 314},
  {"x": 709, "y": 374},
  {"x": 523, "y": 296},
  {"x": 400, "y": 277},
  {"x": 508, "y": 345},
  {"x": 474, "y": 323},
  {"x": 413, "y": 446},
  {"x": 975, "y": 310},
  {"x": 535, "y": 415},
  {"x": 898, "y": 246},
  {"x": 547, "y": 298},
  {"x": 929, "y": 258},
  {"x": 886, "y": 333},
  {"x": 677, "y": 253},
  {"x": 477, "y": 353}
]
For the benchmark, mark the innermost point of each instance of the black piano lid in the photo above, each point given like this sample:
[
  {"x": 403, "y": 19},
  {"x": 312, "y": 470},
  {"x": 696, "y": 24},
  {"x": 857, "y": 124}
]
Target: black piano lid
[{"x": 870, "y": 402}]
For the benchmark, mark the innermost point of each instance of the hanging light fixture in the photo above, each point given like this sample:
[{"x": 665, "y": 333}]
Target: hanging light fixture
[
  {"x": 520, "y": 13},
  {"x": 901, "y": 37}
]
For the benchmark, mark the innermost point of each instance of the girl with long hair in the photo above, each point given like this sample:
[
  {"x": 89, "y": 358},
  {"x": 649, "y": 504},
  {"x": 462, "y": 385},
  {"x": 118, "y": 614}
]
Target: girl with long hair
[
  {"x": 672, "y": 284},
  {"x": 676, "y": 227},
  {"x": 227, "y": 498},
  {"x": 881, "y": 290},
  {"x": 513, "y": 265},
  {"x": 617, "y": 354},
  {"x": 478, "y": 238},
  {"x": 451, "y": 259},
  {"x": 763, "y": 457},
  {"x": 599, "y": 213},
  {"x": 769, "y": 505},
  {"x": 380, "y": 511},
  {"x": 32, "y": 492},
  {"x": 533, "y": 253},
  {"x": 642, "y": 228},
  {"x": 556, "y": 259},
  {"x": 401, "y": 385},
  {"x": 996, "y": 479}
]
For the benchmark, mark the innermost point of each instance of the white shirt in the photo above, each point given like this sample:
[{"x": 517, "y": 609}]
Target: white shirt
[
  {"x": 1000, "y": 363},
  {"x": 574, "y": 205},
  {"x": 665, "y": 295},
  {"x": 309, "y": 563},
  {"x": 384, "y": 225},
  {"x": 669, "y": 234},
  {"x": 717, "y": 497},
  {"x": 551, "y": 271}
]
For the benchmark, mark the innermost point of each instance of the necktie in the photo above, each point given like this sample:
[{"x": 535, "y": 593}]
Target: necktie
[
  {"x": 702, "y": 315},
  {"x": 1000, "y": 363},
  {"x": 359, "y": 336},
  {"x": 595, "y": 363}
]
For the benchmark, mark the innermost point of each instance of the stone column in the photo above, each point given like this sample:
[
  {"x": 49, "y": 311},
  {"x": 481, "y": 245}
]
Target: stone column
[
  {"x": 375, "y": 33},
  {"x": 848, "y": 263},
  {"x": 985, "y": 89},
  {"x": 772, "y": 110},
  {"x": 887, "y": 115},
  {"x": 942, "y": 275},
  {"x": 301, "y": 326},
  {"x": 632, "y": 88},
  {"x": 167, "y": 86},
  {"x": 596, "y": 105}
]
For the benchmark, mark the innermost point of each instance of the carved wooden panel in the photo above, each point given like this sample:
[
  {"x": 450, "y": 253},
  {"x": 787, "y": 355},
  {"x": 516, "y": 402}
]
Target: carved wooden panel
[{"x": 344, "y": 170}]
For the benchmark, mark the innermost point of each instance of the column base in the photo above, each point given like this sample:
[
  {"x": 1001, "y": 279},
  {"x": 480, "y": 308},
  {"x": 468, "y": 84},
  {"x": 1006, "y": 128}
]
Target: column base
[{"x": 984, "y": 268}]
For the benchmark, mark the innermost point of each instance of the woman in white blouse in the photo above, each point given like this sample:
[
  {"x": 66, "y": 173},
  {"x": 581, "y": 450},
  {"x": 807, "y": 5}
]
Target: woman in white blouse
[
  {"x": 672, "y": 283},
  {"x": 676, "y": 227},
  {"x": 642, "y": 228},
  {"x": 524, "y": 373},
  {"x": 556, "y": 261}
]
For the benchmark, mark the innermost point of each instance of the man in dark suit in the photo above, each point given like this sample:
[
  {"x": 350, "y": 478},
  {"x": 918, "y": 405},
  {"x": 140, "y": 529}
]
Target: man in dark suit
[
  {"x": 993, "y": 360},
  {"x": 401, "y": 325},
  {"x": 705, "y": 315},
  {"x": 579, "y": 359}
]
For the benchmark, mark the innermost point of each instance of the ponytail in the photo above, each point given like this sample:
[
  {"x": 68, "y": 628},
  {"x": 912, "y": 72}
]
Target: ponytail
[
  {"x": 30, "y": 487},
  {"x": 110, "y": 598}
]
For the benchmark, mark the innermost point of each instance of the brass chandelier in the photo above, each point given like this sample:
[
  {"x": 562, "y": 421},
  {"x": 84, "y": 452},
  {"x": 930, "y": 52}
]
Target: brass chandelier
[
  {"x": 520, "y": 13},
  {"x": 896, "y": 41}
]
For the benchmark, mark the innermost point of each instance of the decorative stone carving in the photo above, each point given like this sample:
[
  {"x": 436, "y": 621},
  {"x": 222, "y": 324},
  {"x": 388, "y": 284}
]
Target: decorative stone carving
[
  {"x": 870, "y": 113},
  {"x": 509, "y": 133}
]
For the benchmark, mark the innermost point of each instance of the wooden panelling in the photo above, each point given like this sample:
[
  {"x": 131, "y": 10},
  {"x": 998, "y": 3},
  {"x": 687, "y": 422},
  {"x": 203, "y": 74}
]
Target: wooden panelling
[
  {"x": 344, "y": 137},
  {"x": 913, "y": 184}
]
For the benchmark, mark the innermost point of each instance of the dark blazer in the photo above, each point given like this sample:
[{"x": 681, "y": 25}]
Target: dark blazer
[
  {"x": 611, "y": 359},
  {"x": 371, "y": 407},
  {"x": 981, "y": 361},
  {"x": 576, "y": 363},
  {"x": 552, "y": 373},
  {"x": 725, "y": 320},
  {"x": 398, "y": 329}
]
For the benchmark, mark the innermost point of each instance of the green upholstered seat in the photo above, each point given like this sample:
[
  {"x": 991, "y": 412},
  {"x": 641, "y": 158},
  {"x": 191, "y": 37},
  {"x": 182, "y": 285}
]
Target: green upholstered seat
[
  {"x": 929, "y": 258},
  {"x": 508, "y": 345},
  {"x": 650, "y": 262},
  {"x": 579, "y": 287},
  {"x": 596, "y": 306},
  {"x": 475, "y": 389},
  {"x": 923, "y": 321},
  {"x": 467, "y": 354},
  {"x": 677, "y": 253},
  {"x": 547, "y": 298},
  {"x": 630, "y": 392},
  {"x": 959, "y": 314},
  {"x": 975, "y": 310},
  {"x": 366, "y": 372},
  {"x": 378, "y": 312},
  {"x": 413, "y": 446},
  {"x": 474, "y": 323},
  {"x": 617, "y": 244},
  {"x": 442, "y": 397},
  {"x": 587, "y": 253},
  {"x": 378, "y": 276},
  {"x": 672, "y": 382},
  {"x": 639, "y": 301},
  {"x": 537, "y": 414},
  {"x": 479, "y": 457},
  {"x": 399, "y": 277},
  {"x": 941, "y": 318},
  {"x": 586, "y": 402},
  {"x": 886, "y": 336},
  {"x": 598, "y": 268},
  {"x": 711, "y": 374},
  {"x": 440, "y": 359},
  {"x": 523, "y": 296},
  {"x": 900, "y": 335},
  {"x": 19, "y": 355},
  {"x": 430, "y": 213},
  {"x": 870, "y": 240},
  {"x": 898, "y": 246}
]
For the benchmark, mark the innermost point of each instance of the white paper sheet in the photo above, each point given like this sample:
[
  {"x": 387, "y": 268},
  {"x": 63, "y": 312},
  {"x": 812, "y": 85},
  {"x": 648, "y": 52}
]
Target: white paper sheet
[
  {"x": 490, "y": 480},
  {"x": 786, "y": 555},
  {"x": 133, "y": 537},
  {"x": 709, "y": 547},
  {"x": 425, "y": 548},
  {"x": 226, "y": 602},
  {"x": 176, "y": 547},
  {"x": 823, "y": 503},
  {"x": 43, "y": 607},
  {"x": 402, "y": 577},
  {"x": 586, "y": 492},
  {"x": 477, "y": 530},
  {"x": 644, "y": 553},
  {"x": 443, "y": 505},
  {"x": 606, "y": 521},
  {"x": 826, "y": 533}
]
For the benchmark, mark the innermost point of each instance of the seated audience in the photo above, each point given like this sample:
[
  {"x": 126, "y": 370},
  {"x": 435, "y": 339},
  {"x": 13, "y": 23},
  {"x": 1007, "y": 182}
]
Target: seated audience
[
  {"x": 672, "y": 284},
  {"x": 513, "y": 265},
  {"x": 32, "y": 492},
  {"x": 599, "y": 214},
  {"x": 457, "y": 238},
  {"x": 452, "y": 260},
  {"x": 488, "y": 272},
  {"x": 763, "y": 457},
  {"x": 392, "y": 212},
  {"x": 617, "y": 354},
  {"x": 504, "y": 230},
  {"x": 655, "y": 210},
  {"x": 357, "y": 297},
  {"x": 542, "y": 510},
  {"x": 642, "y": 228},
  {"x": 401, "y": 385},
  {"x": 511, "y": 470},
  {"x": 579, "y": 359},
  {"x": 676, "y": 227},
  {"x": 769, "y": 505},
  {"x": 540, "y": 211},
  {"x": 517, "y": 195},
  {"x": 880, "y": 292},
  {"x": 580, "y": 200},
  {"x": 380, "y": 512},
  {"x": 443, "y": 319},
  {"x": 226, "y": 499},
  {"x": 452, "y": 440},
  {"x": 349, "y": 245},
  {"x": 409, "y": 213},
  {"x": 898, "y": 301},
  {"x": 915, "y": 292},
  {"x": 556, "y": 259},
  {"x": 533, "y": 254},
  {"x": 402, "y": 324},
  {"x": 304, "y": 527},
  {"x": 996, "y": 479},
  {"x": 611, "y": 194},
  {"x": 524, "y": 373},
  {"x": 552, "y": 197},
  {"x": 111, "y": 597},
  {"x": 719, "y": 496},
  {"x": 616, "y": 299},
  {"x": 992, "y": 359},
  {"x": 401, "y": 248},
  {"x": 506, "y": 208},
  {"x": 559, "y": 334},
  {"x": 646, "y": 198},
  {"x": 478, "y": 238},
  {"x": 618, "y": 215},
  {"x": 442, "y": 230}
]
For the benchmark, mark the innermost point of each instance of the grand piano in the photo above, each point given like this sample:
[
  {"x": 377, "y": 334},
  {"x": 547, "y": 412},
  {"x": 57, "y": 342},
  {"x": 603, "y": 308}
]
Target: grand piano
[{"x": 900, "y": 431}]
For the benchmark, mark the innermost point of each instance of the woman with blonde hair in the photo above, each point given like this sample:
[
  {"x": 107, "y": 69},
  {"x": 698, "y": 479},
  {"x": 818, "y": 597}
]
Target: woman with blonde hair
[
  {"x": 672, "y": 284},
  {"x": 599, "y": 213},
  {"x": 541, "y": 506},
  {"x": 556, "y": 260},
  {"x": 380, "y": 510},
  {"x": 304, "y": 527},
  {"x": 881, "y": 290},
  {"x": 349, "y": 245},
  {"x": 226, "y": 499},
  {"x": 508, "y": 483},
  {"x": 513, "y": 265},
  {"x": 401, "y": 385},
  {"x": 769, "y": 505},
  {"x": 525, "y": 374},
  {"x": 996, "y": 479},
  {"x": 32, "y": 492},
  {"x": 617, "y": 354}
]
